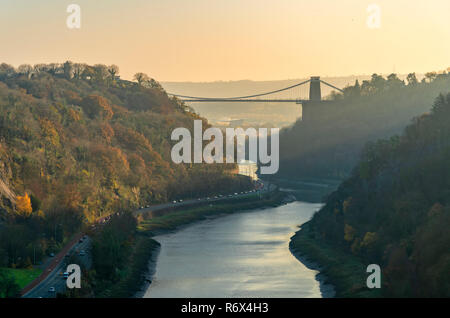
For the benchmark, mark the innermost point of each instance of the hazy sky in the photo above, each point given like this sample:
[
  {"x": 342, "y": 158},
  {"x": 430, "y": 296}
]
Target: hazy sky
[{"x": 205, "y": 40}]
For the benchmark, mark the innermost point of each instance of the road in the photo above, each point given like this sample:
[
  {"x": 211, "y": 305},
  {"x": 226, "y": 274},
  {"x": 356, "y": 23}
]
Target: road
[
  {"x": 265, "y": 187},
  {"x": 52, "y": 276},
  {"x": 55, "y": 278}
]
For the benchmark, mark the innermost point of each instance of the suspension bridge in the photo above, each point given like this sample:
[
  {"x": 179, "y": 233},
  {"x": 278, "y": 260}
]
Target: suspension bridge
[{"x": 291, "y": 94}]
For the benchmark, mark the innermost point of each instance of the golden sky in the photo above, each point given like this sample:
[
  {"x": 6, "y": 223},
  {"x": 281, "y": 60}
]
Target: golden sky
[{"x": 207, "y": 40}]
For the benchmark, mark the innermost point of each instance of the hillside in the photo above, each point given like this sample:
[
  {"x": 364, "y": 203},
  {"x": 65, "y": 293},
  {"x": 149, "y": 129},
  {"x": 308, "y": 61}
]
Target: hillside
[
  {"x": 328, "y": 144},
  {"x": 78, "y": 143},
  {"x": 394, "y": 210}
]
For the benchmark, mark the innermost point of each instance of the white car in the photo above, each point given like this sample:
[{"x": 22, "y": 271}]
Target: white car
[{"x": 51, "y": 290}]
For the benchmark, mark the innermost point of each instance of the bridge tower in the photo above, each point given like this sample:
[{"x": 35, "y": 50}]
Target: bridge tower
[{"x": 315, "y": 94}]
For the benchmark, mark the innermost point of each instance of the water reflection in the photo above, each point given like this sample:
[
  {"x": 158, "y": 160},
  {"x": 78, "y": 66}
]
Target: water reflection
[{"x": 239, "y": 255}]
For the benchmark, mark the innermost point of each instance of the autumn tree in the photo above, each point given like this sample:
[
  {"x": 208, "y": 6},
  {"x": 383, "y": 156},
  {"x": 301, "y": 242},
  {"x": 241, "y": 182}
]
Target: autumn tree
[
  {"x": 23, "y": 205},
  {"x": 94, "y": 105}
]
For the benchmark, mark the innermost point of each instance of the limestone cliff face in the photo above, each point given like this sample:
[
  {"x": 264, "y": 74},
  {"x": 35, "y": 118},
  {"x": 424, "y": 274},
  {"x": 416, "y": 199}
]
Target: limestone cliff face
[{"x": 7, "y": 195}]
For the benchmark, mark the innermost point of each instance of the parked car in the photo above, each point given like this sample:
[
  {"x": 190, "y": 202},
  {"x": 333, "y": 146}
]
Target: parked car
[
  {"x": 51, "y": 290},
  {"x": 82, "y": 253}
]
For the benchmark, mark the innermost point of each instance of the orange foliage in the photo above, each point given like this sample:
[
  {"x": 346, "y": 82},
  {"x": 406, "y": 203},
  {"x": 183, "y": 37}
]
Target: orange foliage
[
  {"x": 94, "y": 105},
  {"x": 23, "y": 205}
]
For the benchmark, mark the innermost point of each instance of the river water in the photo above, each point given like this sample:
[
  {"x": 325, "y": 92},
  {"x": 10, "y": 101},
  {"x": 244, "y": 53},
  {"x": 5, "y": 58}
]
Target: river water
[{"x": 238, "y": 255}]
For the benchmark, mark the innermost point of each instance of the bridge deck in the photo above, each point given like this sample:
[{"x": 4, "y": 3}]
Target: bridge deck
[{"x": 220, "y": 100}]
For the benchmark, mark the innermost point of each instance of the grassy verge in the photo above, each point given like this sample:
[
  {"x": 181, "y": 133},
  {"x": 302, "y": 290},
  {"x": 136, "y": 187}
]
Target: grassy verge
[
  {"x": 23, "y": 276},
  {"x": 171, "y": 220},
  {"x": 344, "y": 271}
]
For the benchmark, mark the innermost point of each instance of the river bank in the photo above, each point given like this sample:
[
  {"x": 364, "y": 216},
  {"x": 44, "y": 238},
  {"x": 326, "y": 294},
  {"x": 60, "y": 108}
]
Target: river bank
[
  {"x": 341, "y": 274},
  {"x": 181, "y": 218},
  {"x": 344, "y": 272}
]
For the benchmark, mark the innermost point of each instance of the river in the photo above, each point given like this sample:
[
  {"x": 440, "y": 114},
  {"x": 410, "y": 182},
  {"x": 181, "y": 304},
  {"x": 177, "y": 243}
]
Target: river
[{"x": 238, "y": 255}]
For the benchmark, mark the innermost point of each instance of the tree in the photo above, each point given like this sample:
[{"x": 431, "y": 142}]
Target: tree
[
  {"x": 141, "y": 78},
  {"x": 40, "y": 68},
  {"x": 377, "y": 82},
  {"x": 430, "y": 76},
  {"x": 394, "y": 82},
  {"x": 54, "y": 68},
  {"x": 6, "y": 70},
  {"x": 412, "y": 79},
  {"x": 25, "y": 69},
  {"x": 100, "y": 73},
  {"x": 35, "y": 203},
  {"x": 349, "y": 233},
  {"x": 78, "y": 69},
  {"x": 94, "y": 105},
  {"x": 113, "y": 70},
  {"x": 23, "y": 205}
]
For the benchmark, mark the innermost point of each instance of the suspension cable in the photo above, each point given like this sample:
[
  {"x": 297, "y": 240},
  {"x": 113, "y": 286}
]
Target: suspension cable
[{"x": 241, "y": 97}]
